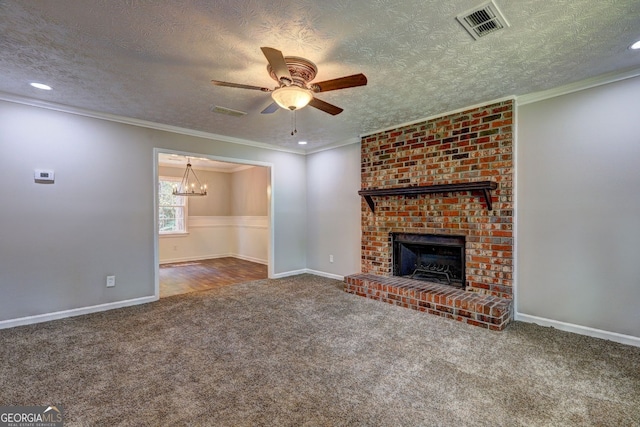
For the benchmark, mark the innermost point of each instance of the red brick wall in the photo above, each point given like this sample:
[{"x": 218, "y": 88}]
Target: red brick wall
[{"x": 473, "y": 145}]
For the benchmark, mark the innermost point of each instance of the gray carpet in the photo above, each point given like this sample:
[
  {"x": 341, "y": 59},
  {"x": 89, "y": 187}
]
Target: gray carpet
[{"x": 300, "y": 351}]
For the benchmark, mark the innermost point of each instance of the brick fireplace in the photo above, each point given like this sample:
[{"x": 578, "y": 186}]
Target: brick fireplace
[{"x": 451, "y": 177}]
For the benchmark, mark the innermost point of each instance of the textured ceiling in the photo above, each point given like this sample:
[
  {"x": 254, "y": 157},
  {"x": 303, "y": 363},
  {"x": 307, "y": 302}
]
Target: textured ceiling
[{"x": 154, "y": 61}]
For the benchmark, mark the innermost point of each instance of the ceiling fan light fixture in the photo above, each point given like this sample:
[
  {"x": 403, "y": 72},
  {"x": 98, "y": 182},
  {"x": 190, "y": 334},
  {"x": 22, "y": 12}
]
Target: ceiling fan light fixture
[{"x": 292, "y": 97}]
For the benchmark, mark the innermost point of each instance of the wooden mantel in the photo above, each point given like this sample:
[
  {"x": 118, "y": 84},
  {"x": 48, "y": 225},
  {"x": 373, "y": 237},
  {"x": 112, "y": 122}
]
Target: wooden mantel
[{"x": 484, "y": 186}]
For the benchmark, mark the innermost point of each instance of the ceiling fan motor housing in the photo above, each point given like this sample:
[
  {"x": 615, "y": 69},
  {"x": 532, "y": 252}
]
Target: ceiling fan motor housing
[{"x": 302, "y": 71}]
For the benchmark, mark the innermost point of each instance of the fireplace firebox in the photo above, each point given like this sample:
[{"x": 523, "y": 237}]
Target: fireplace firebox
[{"x": 430, "y": 257}]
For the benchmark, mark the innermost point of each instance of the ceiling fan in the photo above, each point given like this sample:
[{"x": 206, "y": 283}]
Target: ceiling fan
[{"x": 295, "y": 90}]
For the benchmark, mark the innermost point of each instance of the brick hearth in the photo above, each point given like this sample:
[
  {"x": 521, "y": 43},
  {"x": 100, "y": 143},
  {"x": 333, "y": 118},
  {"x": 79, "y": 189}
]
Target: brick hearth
[
  {"x": 469, "y": 146},
  {"x": 470, "y": 307}
]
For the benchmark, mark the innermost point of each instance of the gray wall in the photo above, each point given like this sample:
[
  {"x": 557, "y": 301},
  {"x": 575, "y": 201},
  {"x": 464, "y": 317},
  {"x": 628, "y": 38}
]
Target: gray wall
[
  {"x": 58, "y": 242},
  {"x": 578, "y": 208},
  {"x": 333, "y": 206}
]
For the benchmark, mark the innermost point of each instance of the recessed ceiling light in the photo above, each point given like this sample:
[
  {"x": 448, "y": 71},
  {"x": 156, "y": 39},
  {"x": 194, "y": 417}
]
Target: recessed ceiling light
[
  {"x": 302, "y": 142},
  {"x": 40, "y": 86},
  {"x": 635, "y": 46}
]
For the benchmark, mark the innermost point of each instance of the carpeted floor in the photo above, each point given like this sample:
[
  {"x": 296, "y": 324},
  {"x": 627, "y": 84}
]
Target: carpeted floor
[{"x": 300, "y": 351}]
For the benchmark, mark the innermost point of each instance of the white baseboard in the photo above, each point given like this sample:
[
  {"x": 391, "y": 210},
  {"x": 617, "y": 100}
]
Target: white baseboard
[
  {"x": 11, "y": 323},
  {"x": 323, "y": 274},
  {"x": 307, "y": 271},
  {"x": 252, "y": 259},
  {"x": 288, "y": 273},
  {"x": 578, "y": 329},
  {"x": 213, "y": 256},
  {"x": 193, "y": 258}
]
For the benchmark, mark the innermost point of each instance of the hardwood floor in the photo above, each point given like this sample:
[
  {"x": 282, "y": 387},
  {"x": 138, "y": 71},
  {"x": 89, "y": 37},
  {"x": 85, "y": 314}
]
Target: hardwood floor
[{"x": 191, "y": 276}]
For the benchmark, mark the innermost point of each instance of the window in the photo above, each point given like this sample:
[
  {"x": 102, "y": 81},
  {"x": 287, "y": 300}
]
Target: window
[{"x": 172, "y": 210}]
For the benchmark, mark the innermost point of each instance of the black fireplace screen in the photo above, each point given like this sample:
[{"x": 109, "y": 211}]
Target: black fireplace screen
[{"x": 429, "y": 257}]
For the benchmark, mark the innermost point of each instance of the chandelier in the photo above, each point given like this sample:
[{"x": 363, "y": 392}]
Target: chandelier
[{"x": 190, "y": 184}]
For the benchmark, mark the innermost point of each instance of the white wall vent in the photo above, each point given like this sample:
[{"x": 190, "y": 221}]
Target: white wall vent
[
  {"x": 227, "y": 111},
  {"x": 483, "y": 20}
]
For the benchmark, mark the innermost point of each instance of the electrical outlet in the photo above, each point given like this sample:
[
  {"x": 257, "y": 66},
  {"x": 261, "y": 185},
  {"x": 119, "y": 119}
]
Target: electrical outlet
[
  {"x": 111, "y": 281},
  {"x": 330, "y": 258}
]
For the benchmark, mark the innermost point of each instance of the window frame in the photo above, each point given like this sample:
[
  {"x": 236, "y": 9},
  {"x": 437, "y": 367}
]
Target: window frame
[{"x": 184, "y": 206}]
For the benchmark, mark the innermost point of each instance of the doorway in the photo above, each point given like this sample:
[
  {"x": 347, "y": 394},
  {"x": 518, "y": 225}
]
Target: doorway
[{"x": 221, "y": 238}]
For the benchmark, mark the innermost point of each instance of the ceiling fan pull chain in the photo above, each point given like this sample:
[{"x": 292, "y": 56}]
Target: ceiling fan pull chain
[{"x": 293, "y": 124}]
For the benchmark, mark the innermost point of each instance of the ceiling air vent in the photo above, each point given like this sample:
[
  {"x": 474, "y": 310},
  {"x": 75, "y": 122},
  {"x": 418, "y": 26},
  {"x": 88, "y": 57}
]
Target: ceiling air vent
[
  {"x": 227, "y": 111},
  {"x": 483, "y": 20}
]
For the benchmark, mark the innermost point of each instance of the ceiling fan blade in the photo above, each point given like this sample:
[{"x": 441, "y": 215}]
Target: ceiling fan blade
[
  {"x": 272, "y": 108},
  {"x": 325, "y": 106},
  {"x": 240, "y": 86},
  {"x": 278, "y": 64},
  {"x": 340, "y": 83}
]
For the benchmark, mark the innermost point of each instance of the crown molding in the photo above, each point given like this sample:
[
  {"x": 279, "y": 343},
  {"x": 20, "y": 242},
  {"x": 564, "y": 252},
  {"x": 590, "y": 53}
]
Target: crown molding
[
  {"x": 355, "y": 140},
  {"x": 603, "y": 79},
  {"x": 140, "y": 123}
]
